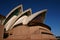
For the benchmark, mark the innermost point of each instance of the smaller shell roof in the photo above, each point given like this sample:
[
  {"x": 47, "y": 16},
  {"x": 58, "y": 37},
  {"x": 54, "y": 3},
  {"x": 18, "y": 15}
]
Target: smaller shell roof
[
  {"x": 25, "y": 13},
  {"x": 28, "y": 12}
]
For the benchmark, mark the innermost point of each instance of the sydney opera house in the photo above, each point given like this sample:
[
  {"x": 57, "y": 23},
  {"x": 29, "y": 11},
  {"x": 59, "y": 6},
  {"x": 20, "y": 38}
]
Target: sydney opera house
[{"x": 25, "y": 25}]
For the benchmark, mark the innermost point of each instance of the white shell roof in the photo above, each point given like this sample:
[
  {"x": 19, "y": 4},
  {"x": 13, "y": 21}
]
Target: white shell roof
[
  {"x": 16, "y": 19},
  {"x": 22, "y": 19},
  {"x": 19, "y": 6},
  {"x": 10, "y": 22},
  {"x": 26, "y": 19},
  {"x": 34, "y": 15}
]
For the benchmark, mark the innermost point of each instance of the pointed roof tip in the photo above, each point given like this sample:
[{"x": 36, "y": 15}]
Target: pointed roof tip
[
  {"x": 15, "y": 9},
  {"x": 45, "y": 10},
  {"x": 20, "y": 5},
  {"x": 28, "y": 10},
  {"x": 41, "y": 11}
]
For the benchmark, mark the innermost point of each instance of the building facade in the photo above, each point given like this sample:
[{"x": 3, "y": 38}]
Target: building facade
[{"x": 23, "y": 25}]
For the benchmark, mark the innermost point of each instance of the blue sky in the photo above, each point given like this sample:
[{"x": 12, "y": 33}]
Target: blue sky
[{"x": 53, "y": 14}]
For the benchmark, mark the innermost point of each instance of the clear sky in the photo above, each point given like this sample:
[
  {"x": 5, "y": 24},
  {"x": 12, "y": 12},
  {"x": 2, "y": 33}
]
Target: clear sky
[{"x": 53, "y": 14}]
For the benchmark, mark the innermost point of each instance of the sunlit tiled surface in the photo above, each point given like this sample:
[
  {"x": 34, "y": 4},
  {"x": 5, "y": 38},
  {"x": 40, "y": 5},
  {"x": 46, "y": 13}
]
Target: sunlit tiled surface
[{"x": 29, "y": 33}]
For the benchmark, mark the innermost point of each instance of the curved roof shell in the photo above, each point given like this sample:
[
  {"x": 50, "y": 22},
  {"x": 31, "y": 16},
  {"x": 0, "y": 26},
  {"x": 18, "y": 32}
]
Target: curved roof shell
[
  {"x": 16, "y": 11},
  {"x": 37, "y": 16},
  {"x": 28, "y": 20},
  {"x": 26, "y": 12},
  {"x": 17, "y": 7}
]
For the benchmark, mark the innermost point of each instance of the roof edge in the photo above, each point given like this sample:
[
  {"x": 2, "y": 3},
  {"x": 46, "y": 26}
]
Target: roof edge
[
  {"x": 15, "y": 9},
  {"x": 34, "y": 15}
]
